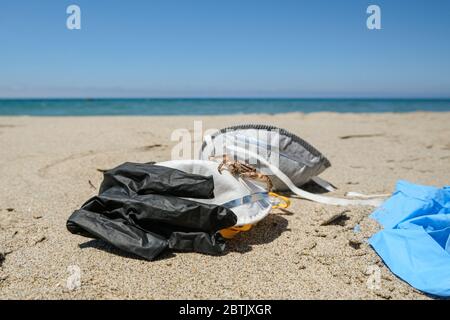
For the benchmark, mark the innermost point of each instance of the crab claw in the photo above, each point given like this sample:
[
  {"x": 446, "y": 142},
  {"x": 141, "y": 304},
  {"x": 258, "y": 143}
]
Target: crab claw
[{"x": 269, "y": 185}]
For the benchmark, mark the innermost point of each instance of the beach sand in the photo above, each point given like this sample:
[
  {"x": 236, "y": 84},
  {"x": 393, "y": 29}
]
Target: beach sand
[{"x": 49, "y": 168}]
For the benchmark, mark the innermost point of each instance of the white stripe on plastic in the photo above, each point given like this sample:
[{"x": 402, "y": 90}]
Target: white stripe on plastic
[{"x": 251, "y": 198}]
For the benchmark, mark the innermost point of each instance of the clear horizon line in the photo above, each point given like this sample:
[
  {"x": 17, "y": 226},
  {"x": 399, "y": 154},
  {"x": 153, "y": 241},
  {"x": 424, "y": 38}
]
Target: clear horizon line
[{"x": 229, "y": 98}]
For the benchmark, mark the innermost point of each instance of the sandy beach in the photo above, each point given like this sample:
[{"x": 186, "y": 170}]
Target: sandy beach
[{"x": 48, "y": 168}]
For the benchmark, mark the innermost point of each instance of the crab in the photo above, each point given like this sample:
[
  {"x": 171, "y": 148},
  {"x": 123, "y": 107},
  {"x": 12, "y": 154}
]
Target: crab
[{"x": 244, "y": 170}]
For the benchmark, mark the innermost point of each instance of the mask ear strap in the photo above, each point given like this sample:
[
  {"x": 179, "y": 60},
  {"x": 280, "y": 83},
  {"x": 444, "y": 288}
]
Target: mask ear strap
[
  {"x": 329, "y": 187},
  {"x": 366, "y": 196},
  {"x": 302, "y": 193},
  {"x": 282, "y": 203}
]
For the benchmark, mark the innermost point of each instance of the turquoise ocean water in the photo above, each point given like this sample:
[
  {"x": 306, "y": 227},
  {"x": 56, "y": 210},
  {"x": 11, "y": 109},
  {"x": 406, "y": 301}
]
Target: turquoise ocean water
[{"x": 87, "y": 107}]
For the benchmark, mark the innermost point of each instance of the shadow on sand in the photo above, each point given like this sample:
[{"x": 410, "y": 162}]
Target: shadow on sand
[
  {"x": 104, "y": 246},
  {"x": 264, "y": 232}
]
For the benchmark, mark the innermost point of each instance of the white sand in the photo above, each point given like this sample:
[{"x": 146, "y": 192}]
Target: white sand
[{"x": 46, "y": 165}]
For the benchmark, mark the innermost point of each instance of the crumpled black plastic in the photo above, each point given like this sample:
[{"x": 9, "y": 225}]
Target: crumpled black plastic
[{"x": 139, "y": 210}]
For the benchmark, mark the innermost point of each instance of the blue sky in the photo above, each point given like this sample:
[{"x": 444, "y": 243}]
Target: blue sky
[{"x": 226, "y": 48}]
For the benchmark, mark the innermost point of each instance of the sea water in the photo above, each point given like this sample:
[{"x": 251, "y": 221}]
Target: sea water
[{"x": 202, "y": 106}]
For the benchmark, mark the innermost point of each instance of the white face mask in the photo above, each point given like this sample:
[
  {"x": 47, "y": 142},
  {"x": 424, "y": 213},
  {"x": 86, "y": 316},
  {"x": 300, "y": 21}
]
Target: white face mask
[
  {"x": 288, "y": 160},
  {"x": 299, "y": 160},
  {"x": 248, "y": 199}
]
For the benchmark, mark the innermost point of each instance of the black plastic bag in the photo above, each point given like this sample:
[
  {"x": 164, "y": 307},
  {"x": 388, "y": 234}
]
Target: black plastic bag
[{"x": 139, "y": 210}]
